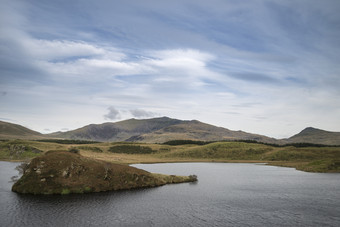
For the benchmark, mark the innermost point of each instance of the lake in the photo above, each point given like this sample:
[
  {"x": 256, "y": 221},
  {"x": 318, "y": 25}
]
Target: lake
[{"x": 226, "y": 194}]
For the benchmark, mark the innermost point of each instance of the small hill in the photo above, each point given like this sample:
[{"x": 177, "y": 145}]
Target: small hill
[
  {"x": 14, "y": 131},
  {"x": 63, "y": 172},
  {"x": 315, "y": 136}
]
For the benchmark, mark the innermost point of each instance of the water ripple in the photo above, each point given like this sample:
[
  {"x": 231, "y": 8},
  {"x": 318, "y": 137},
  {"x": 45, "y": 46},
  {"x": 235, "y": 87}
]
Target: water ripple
[{"x": 236, "y": 195}]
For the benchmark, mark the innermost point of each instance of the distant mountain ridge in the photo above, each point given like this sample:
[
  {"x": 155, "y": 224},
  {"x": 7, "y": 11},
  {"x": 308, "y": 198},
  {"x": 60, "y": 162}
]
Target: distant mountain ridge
[
  {"x": 118, "y": 131},
  {"x": 163, "y": 129},
  {"x": 14, "y": 131},
  {"x": 158, "y": 130},
  {"x": 196, "y": 130}
]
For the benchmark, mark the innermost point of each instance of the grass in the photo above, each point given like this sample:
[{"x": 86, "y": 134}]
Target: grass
[
  {"x": 224, "y": 150},
  {"x": 312, "y": 159},
  {"x": 65, "y": 191},
  {"x": 17, "y": 150}
]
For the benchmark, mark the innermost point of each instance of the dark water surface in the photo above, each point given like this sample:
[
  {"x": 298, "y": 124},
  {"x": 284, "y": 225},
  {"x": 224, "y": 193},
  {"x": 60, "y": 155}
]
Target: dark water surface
[{"x": 225, "y": 195}]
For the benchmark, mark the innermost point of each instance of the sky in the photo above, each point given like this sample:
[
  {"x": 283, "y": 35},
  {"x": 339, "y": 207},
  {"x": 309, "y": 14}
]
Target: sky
[{"x": 262, "y": 66}]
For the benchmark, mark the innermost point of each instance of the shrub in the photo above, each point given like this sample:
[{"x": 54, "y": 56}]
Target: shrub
[
  {"x": 17, "y": 150},
  {"x": 22, "y": 168},
  {"x": 193, "y": 177},
  {"x": 185, "y": 142},
  {"x": 61, "y": 141},
  {"x": 74, "y": 150},
  {"x": 131, "y": 149},
  {"x": 93, "y": 149}
]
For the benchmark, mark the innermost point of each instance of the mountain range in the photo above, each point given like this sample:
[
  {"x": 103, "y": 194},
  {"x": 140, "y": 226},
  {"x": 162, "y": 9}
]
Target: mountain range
[{"x": 159, "y": 130}]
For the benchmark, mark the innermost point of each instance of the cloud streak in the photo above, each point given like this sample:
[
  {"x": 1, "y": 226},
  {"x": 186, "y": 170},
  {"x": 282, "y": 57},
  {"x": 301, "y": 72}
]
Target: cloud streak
[{"x": 139, "y": 113}]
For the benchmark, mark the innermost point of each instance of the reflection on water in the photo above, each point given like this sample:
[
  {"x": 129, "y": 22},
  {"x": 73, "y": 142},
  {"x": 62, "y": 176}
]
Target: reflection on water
[{"x": 225, "y": 195}]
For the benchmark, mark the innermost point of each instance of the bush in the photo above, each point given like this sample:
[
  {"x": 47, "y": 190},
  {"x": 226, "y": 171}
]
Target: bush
[
  {"x": 74, "y": 150},
  {"x": 193, "y": 178},
  {"x": 65, "y": 191},
  {"x": 22, "y": 167},
  {"x": 131, "y": 149},
  {"x": 17, "y": 150},
  {"x": 61, "y": 141},
  {"x": 185, "y": 142},
  {"x": 93, "y": 149}
]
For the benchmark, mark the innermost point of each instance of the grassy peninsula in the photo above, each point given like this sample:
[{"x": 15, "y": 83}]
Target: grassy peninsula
[{"x": 64, "y": 172}]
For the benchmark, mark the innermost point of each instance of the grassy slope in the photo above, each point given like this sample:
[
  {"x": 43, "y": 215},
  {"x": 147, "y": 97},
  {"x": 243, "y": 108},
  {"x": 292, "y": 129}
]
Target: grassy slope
[
  {"x": 18, "y": 150},
  {"x": 14, "y": 131},
  {"x": 313, "y": 159}
]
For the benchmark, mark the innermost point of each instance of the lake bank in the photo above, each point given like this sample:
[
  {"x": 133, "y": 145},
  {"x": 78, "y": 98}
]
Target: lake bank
[{"x": 310, "y": 159}]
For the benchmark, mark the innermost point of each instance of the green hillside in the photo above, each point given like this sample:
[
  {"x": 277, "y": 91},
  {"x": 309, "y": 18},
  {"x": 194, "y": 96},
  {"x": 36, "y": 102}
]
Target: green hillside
[
  {"x": 313, "y": 159},
  {"x": 118, "y": 131},
  {"x": 196, "y": 130}
]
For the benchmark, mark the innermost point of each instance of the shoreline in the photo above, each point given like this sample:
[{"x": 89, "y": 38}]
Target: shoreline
[
  {"x": 295, "y": 165},
  {"x": 308, "y": 159}
]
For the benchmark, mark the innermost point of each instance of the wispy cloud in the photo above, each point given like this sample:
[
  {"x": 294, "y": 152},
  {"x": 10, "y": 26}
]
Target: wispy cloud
[
  {"x": 113, "y": 114},
  {"x": 139, "y": 113}
]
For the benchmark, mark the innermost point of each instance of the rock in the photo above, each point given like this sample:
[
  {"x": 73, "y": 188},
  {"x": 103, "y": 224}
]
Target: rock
[{"x": 65, "y": 173}]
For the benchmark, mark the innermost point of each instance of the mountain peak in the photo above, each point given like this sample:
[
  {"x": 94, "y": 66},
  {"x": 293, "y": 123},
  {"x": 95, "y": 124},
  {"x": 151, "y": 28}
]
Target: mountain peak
[
  {"x": 311, "y": 130},
  {"x": 308, "y": 129},
  {"x": 316, "y": 136}
]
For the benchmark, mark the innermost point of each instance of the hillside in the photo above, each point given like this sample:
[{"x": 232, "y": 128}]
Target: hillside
[
  {"x": 119, "y": 131},
  {"x": 158, "y": 130},
  {"x": 196, "y": 130},
  {"x": 14, "y": 131},
  {"x": 315, "y": 136}
]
